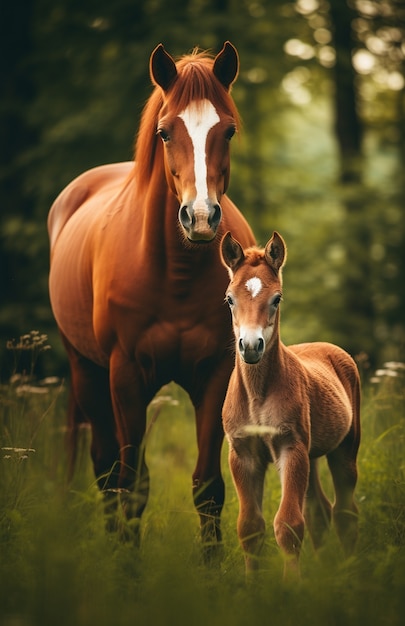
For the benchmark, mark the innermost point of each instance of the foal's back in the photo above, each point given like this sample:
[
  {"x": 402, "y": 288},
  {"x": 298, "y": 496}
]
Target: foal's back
[{"x": 333, "y": 391}]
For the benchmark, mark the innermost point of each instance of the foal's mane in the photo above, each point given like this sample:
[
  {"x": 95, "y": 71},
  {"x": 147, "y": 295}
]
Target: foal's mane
[
  {"x": 254, "y": 256},
  {"x": 195, "y": 81}
]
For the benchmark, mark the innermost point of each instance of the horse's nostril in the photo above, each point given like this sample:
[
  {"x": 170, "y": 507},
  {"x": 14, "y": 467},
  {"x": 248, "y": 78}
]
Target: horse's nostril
[
  {"x": 215, "y": 216},
  {"x": 241, "y": 345},
  {"x": 260, "y": 345},
  {"x": 184, "y": 216}
]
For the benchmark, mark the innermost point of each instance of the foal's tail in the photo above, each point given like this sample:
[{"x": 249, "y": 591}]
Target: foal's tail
[{"x": 355, "y": 429}]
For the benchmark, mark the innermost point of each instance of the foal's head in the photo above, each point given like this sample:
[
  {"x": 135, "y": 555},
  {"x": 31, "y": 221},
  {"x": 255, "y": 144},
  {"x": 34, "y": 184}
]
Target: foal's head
[
  {"x": 254, "y": 293},
  {"x": 196, "y": 121}
]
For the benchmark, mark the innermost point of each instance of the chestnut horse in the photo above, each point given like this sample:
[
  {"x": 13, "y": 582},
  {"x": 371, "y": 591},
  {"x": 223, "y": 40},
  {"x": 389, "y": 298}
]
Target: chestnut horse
[
  {"x": 286, "y": 405},
  {"x": 136, "y": 283}
]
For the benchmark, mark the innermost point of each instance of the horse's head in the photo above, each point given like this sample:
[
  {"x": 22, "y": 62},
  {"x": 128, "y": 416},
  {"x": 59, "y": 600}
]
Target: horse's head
[
  {"x": 195, "y": 123},
  {"x": 254, "y": 293}
]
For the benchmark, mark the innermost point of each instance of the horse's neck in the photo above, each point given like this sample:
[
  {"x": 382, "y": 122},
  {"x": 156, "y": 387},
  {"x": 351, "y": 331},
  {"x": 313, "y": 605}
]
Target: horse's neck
[
  {"x": 161, "y": 234},
  {"x": 158, "y": 208}
]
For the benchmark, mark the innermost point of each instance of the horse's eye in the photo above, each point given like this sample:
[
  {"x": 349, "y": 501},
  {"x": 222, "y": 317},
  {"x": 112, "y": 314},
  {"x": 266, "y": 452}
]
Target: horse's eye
[
  {"x": 230, "y": 133},
  {"x": 163, "y": 134},
  {"x": 229, "y": 300}
]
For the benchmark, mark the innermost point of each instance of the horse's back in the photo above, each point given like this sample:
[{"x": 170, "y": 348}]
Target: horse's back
[
  {"x": 234, "y": 221},
  {"x": 105, "y": 178}
]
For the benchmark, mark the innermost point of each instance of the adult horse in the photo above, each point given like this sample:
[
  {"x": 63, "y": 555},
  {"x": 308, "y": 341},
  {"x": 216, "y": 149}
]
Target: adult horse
[{"x": 136, "y": 283}]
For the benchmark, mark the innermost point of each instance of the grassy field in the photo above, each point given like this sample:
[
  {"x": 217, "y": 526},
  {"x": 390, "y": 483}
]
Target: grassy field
[{"x": 59, "y": 567}]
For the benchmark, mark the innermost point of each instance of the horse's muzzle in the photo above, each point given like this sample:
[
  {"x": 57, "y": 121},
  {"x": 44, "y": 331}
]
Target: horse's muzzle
[{"x": 200, "y": 221}]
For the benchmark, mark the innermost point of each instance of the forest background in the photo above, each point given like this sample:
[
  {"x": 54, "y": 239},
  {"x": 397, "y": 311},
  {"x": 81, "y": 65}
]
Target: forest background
[{"x": 320, "y": 157}]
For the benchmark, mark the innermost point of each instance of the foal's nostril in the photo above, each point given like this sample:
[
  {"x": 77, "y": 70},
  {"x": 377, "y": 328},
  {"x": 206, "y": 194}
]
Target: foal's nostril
[
  {"x": 241, "y": 345},
  {"x": 260, "y": 345}
]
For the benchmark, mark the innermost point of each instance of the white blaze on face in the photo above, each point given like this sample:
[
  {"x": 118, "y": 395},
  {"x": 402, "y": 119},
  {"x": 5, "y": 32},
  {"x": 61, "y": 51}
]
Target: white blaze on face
[
  {"x": 199, "y": 118},
  {"x": 254, "y": 285}
]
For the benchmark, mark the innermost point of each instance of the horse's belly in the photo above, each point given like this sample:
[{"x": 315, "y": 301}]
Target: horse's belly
[{"x": 71, "y": 299}]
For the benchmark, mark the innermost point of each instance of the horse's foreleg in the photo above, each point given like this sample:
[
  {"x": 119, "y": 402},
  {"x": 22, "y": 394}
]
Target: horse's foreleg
[
  {"x": 248, "y": 471},
  {"x": 293, "y": 466},
  {"x": 130, "y": 403}
]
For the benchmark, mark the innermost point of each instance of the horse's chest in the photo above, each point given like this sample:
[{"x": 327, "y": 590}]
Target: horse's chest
[{"x": 166, "y": 341}]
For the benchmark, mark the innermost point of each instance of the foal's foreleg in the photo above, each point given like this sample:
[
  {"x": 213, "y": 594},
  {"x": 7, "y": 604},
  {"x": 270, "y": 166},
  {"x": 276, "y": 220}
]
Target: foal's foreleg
[
  {"x": 293, "y": 467},
  {"x": 248, "y": 471}
]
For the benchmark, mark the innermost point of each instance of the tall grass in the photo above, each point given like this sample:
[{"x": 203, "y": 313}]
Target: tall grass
[{"x": 59, "y": 566}]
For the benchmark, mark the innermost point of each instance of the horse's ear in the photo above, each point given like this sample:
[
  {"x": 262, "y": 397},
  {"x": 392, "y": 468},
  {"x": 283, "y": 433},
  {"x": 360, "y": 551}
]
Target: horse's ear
[
  {"x": 231, "y": 252},
  {"x": 226, "y": 65},
  {"x": 275, "y": 252},
  {"x": 162, "y": 68}
]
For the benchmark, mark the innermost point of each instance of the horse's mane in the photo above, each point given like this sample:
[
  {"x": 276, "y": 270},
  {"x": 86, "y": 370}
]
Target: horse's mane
[{"x": 195, "y": 82}]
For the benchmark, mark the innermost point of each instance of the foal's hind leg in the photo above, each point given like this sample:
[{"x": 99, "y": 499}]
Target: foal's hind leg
[
  {"x": 317, "y": 509},
  {"x": 342, "y": 464}
]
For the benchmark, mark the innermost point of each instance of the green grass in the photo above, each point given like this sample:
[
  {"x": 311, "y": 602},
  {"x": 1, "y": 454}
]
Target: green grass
[{"x": 59, "y": 567}]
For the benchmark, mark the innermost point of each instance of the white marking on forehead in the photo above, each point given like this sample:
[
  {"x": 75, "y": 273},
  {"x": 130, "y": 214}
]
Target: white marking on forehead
[
  {"x": 199, "y": 118},
  {"x": 254, "y": 285}
]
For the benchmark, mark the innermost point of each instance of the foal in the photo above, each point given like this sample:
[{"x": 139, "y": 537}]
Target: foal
[{"x": 289, "y": 406}]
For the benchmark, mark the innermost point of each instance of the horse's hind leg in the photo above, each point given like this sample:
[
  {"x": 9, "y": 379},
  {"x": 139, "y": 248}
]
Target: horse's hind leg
[
  {"x": 208, "y": 484},
  {"x": 317, "y": 509},
  {"x": 90, "y": 398},
  {"x": 342, "y": 464}
]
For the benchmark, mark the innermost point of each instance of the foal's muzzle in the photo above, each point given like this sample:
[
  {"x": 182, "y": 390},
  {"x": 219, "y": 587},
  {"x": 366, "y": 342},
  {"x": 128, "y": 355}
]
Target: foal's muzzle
[
  {"x": 200, "y": 220},
  {"x": 251, "y": 351}
]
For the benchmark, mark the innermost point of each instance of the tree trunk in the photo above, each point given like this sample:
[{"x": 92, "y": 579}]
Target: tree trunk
[
  {"x": 348, "y": 127},
  {"x": 358, "y": 316}
]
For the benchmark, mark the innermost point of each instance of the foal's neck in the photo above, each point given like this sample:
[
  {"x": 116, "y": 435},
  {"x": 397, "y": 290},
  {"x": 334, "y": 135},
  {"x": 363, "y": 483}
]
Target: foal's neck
[{"x": 261, "y": 377}]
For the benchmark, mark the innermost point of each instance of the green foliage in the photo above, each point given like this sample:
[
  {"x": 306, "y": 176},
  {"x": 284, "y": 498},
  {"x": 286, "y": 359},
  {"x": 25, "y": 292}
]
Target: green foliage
[
  {"x": 75, "y": 86},
  {"x": 60, "y": 566}
]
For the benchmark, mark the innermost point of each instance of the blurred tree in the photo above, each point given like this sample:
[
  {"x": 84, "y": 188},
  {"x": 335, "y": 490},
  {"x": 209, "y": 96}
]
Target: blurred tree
[
  {"x": 361, "y": 46},
  {"x": 348, "y": 126},
  {"x": 319, "y": 83}
]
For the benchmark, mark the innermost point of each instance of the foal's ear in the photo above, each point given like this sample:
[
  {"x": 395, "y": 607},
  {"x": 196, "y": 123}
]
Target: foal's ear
[
  {"x": 231, "y": 252},
  {"x": 275, "y": 252},
  {"x": 162, "y": 68},
  {"x": 226, "y": 65}
]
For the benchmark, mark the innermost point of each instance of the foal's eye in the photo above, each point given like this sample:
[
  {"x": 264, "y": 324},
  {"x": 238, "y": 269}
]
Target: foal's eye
[
  {"x": 163, "y": 135},
  {"x": 276, "y": 301},
  {"x": 229, "y": 300}
]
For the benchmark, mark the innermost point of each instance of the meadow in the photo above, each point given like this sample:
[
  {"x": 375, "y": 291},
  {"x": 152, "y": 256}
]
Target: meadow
[{"x": 59, "y": 566}]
